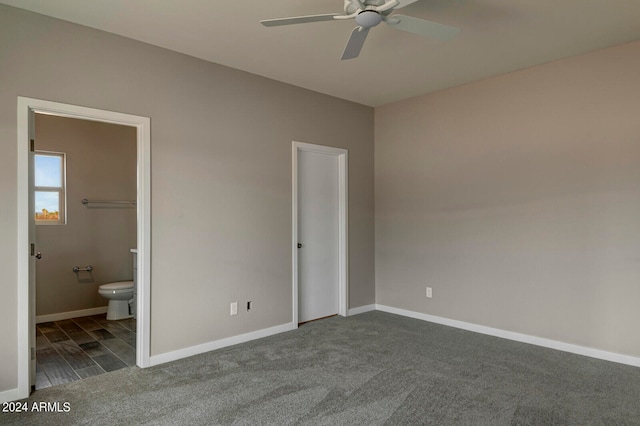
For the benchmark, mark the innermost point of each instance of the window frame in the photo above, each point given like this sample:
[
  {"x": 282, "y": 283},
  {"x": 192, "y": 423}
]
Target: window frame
[{"x": 61, "y": 190}]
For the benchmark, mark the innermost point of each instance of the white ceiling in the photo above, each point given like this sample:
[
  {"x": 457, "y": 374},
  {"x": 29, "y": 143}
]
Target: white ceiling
[{"x": 497, "y": 36}]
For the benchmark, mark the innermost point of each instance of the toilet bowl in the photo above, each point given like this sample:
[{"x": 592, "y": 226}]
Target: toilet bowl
[{"x": 119, "y": 294}]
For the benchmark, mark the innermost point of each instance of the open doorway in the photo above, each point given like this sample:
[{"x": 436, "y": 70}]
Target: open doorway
[
  {"x": 85, "y": 212},
  {"x": 28, "y": 244}
]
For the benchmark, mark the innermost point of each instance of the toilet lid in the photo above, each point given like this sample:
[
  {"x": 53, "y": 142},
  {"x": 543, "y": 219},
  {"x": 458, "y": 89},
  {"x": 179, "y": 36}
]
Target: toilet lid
[{"x": 120, "y": 285}]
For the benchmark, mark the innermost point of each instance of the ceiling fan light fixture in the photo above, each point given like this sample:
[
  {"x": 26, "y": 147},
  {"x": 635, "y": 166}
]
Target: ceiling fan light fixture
[
  {"x": 368, "y": 14},
  {"x": 368, "y": 19}
]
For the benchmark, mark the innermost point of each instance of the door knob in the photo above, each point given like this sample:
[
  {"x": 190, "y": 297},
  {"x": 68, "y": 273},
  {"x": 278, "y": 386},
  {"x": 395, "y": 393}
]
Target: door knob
[{"x": 38, "y": 255}]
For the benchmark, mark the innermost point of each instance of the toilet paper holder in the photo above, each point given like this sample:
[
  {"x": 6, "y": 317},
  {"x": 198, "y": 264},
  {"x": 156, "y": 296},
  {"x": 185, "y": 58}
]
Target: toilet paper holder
[{"x": 87, "y": 268}]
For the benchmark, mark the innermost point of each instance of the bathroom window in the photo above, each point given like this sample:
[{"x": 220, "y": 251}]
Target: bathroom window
[{"x": 50, "y": 191}]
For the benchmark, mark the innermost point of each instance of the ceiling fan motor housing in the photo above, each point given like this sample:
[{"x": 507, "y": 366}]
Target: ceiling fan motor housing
[{"x": 368, "y": 19}]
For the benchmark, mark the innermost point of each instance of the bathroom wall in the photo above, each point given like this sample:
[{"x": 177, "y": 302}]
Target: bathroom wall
[{"x": 101, "y": 165}]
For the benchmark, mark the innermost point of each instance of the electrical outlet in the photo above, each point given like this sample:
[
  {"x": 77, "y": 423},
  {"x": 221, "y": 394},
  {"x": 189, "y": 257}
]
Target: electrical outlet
[
  {"x": 249, "y": 304},
  {"x": 234, "y": 308},
  {"x": 429, "y": 293}
]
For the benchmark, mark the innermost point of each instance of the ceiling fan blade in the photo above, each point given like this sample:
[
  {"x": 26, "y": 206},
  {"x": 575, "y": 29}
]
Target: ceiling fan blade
[
  {"x": 423, "y": 28},
  {"x": 355, "y": 43},
  {"x": 298, "y": 20},
  {"x": 403, "y": 3}
]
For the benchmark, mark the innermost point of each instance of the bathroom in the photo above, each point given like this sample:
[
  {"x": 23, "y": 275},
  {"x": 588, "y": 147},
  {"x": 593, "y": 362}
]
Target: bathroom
[{"x": 74, "y": 339}]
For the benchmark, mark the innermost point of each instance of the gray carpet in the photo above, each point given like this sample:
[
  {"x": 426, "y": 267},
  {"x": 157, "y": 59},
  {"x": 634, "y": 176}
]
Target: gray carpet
[{"x": 373, "y": 368}]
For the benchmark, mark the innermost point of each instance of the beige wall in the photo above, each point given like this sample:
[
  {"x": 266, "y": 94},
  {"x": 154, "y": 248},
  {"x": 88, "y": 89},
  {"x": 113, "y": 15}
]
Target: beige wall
[
  {"x": 220, "y": 174},
  {"x": 101, "y": 165},
  {"x": 518, "y": 200}
]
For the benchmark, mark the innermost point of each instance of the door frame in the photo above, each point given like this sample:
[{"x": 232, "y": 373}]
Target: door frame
[
  {"x": 26, "y": 295},
  {"x": 343, "y": 219}
]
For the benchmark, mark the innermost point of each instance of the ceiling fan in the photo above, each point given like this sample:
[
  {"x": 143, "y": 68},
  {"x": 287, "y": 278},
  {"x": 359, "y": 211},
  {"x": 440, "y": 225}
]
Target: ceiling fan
[{"x": 368, "y": 14}]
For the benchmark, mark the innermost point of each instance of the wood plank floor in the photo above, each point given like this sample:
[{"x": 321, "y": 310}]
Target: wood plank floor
[{"x": 77, "y": 348}]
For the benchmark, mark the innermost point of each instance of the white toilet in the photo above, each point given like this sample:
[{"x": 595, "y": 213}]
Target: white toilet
[{"x": 119, "y": 294}]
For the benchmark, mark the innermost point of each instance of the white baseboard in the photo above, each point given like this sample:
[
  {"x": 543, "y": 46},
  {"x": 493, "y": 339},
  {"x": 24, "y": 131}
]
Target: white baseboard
[
  {"x": 218, "y": 344},
  {"x": 518, "y": 337},
  {"x": 361, "y": 310},
  {"x": 11, "y": 395},
  {"x": 71, "y": 314}
]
